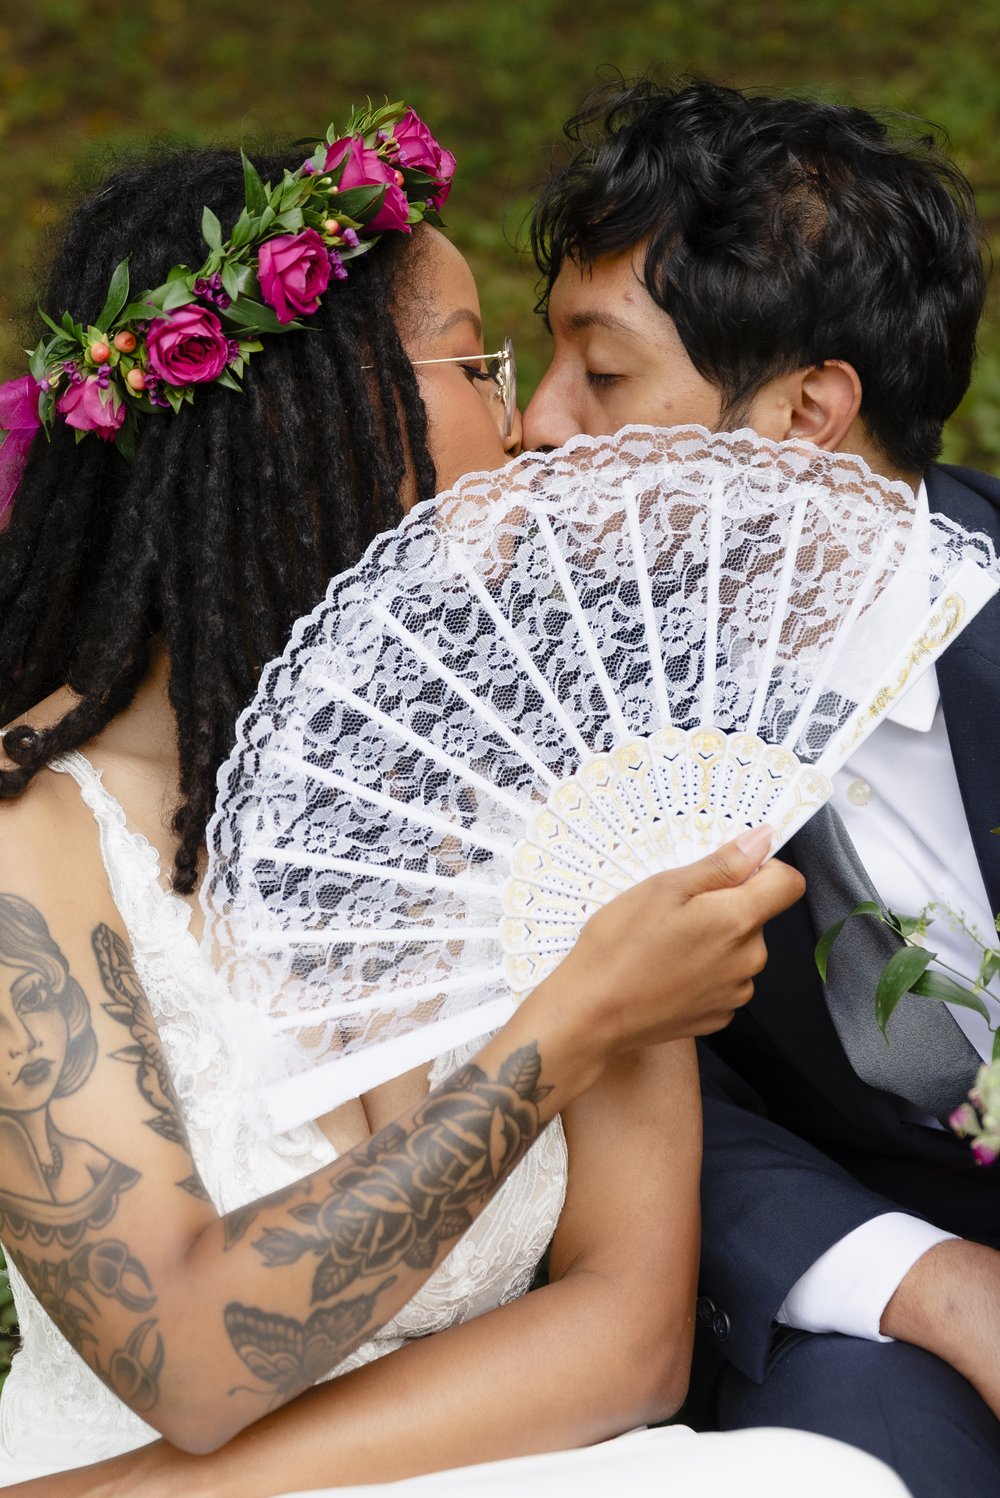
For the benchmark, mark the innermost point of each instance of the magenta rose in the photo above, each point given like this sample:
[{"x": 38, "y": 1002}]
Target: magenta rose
[
  {"x": 445, "y": 172},
  {"x": 294, "y": 272},
  {"x": 83, "y": 408},
  {"x": 188, "y": 347},
  {"x": 419, "y": 150},
  {"x": 417, "y": 146},
  {"x": 364, "y": 167}
]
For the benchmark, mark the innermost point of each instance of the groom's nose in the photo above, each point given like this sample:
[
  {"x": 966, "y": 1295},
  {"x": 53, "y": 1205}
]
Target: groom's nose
[{"x": 549, "y": 417}]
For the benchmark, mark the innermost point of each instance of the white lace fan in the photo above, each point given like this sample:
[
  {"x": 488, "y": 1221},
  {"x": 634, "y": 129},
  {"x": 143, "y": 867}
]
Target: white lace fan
[{"x": 544, "y": 686}]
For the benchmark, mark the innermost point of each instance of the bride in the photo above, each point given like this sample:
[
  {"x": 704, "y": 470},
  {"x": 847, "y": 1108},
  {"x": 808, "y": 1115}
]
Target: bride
[{"x": 173, "y": 1329}]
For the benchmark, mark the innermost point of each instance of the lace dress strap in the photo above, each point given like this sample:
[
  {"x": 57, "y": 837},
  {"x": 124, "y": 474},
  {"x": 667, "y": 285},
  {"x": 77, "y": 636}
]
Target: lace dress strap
[{"x": 131, "y": 861}]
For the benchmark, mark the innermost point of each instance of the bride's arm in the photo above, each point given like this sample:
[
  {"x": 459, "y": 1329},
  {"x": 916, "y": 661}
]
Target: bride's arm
[
  {"x": 603, "y": 1347},
  {"x": 202, "y": 1325}
]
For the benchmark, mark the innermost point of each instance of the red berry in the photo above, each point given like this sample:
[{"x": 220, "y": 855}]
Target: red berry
[
  {"x": 399, "y": 178},
  {"x": 99, "y": 353},
  {"x": 124, "y": 342},
  {"x": 136, "y": 380}
]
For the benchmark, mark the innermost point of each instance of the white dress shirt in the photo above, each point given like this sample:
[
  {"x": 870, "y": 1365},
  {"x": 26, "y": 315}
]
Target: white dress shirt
[{"x": 899, "y": 799}]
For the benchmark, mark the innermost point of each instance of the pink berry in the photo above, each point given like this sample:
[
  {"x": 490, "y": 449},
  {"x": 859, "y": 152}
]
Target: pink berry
[
  {"x": 399, "y": 178},
  {"x": 136, "y": 380},
  {"x": 124, "y": 342},
  {"x": 332, "y": 225},
  {"x": 99, "y": 353}
]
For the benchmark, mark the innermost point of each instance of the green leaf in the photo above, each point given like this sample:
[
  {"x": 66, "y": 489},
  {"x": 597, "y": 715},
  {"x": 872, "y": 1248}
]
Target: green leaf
[
  {"x": 826, "y": 941},
  {"x": 940, "y": 986},
  {"x": 256, "y": 194},
  {"x": 116, "y": 298},
  {"x": 247, "y": 313},
  {"x": 37, "y": 363},
  {"x": 144, "y": 309},
  {"x": 291, "y": 219},
  {"x": 906, "y": 925},
  {"x": 357, "y": 201},
  {"x": 265, "y": 221},
  {"x": 176, "y": 294},
  {"x": 125, "y": 438},
  {"x": 56, "y": 328},
  {"x": 900, "y": 973},
  {"x": 996, "y": 1047},
  {"x": 241, "y": 234},
  {"x": 227, "y": 379},
  {"x": 211, "y": 229},
  {"x": 230, "y": 281},
  {"x": 175, "y": 397},
  {"x": 990, "y": 966}
]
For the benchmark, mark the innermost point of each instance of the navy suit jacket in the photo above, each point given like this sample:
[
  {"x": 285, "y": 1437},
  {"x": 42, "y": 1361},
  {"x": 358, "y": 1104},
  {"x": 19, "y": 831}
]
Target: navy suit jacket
[{"x": 798, "y": 1150}]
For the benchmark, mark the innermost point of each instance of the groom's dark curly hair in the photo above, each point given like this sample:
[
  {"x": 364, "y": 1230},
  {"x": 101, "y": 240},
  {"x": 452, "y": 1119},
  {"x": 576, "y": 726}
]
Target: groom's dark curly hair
[
  {"x": 233, "y": 515},
  {"x": 781, "y": 233}
]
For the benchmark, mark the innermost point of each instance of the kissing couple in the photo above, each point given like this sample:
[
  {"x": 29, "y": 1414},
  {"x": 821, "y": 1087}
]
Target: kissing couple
[{"x": 710, "y": 259}]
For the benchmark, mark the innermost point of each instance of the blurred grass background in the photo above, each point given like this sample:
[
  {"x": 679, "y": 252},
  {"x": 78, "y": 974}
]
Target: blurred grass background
[{"x": 81, "y": 79}]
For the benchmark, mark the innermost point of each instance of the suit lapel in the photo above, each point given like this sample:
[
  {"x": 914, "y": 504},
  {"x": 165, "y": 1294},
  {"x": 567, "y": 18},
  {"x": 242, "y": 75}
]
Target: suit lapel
[{"x": 969, "y": 676}]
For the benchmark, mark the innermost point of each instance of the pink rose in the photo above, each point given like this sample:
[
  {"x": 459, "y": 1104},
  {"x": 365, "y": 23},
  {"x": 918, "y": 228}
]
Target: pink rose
[
  {"x": 294, "y": 272},
  {"x": 986, "y": 1150},
  {"x": 83, "y": 408},
  {"x": 445, "y": 172},
  {"x": 188, "y": 347},
  {"x": 364, "y": 167},
  {"x": 417, "y": 146},
  {"x": 963, "y": 1120},
  {"x": 418, "y": 149}
]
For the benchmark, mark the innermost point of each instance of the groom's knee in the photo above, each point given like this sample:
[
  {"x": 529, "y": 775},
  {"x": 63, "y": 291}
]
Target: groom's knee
[{"x": 898, "y": 1402}]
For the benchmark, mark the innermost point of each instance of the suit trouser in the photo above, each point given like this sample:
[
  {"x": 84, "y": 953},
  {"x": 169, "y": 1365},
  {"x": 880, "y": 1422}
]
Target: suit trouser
[{"x": 890, "y": 1399}]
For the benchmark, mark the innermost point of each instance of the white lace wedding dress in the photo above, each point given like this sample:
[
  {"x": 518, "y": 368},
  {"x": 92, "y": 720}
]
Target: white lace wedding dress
[{"x": 55, "y": 1413}]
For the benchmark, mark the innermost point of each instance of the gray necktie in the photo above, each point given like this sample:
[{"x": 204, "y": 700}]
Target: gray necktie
[{"x": 928, "y": 1060}]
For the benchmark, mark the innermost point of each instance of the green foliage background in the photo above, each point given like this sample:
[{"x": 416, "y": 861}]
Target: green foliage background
[{"x": 82, "y": 79}]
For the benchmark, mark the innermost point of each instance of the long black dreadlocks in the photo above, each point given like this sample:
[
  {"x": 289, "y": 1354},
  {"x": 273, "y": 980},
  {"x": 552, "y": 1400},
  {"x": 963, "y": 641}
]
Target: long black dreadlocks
[{"x": 233, "y": 515}]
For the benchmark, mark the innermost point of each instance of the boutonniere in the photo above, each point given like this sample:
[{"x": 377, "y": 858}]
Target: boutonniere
[{"x": 918, "y": 970}]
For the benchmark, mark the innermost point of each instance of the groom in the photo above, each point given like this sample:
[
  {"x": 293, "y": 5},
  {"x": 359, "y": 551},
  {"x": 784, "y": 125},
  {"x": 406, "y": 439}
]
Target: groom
[{"x": 736, "y": 261}]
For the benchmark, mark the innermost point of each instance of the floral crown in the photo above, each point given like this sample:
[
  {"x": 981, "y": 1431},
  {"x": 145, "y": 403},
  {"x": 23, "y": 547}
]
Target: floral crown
[{"x": 383, "y": 174}]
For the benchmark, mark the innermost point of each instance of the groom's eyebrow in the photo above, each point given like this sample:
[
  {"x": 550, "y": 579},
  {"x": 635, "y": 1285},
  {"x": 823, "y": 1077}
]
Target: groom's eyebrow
[
  {"x": 596, "y": 318},
  {"x": 460, "y": 315}
]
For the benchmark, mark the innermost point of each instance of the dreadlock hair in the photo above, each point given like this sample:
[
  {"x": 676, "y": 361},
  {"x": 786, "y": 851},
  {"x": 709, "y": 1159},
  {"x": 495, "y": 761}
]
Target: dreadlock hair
[
  {"x": 779, "y": 234},
  {"x": 233, "y": 515}
]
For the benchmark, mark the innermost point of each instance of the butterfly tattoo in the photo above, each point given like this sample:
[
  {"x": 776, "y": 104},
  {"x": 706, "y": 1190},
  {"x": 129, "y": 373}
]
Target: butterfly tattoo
[{"x": 288, "y": 1356}]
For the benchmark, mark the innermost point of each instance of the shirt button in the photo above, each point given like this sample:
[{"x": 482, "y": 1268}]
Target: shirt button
[
  {"x": 721, "y": 1326},
  {"x": 859, "y": 793},
  {"x": 706, "y": 1310}
]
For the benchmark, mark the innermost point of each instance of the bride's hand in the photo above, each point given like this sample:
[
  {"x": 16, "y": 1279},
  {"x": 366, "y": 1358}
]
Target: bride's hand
[{"x": 677, "y": 954}]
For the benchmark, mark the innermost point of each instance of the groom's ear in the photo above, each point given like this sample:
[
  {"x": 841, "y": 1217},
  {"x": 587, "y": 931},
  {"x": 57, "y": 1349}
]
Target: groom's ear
[{"x": 820, "y": 403}]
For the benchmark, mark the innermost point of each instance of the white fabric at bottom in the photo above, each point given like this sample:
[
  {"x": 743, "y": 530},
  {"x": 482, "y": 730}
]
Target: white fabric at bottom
[{"x": 670, "y": 1463}]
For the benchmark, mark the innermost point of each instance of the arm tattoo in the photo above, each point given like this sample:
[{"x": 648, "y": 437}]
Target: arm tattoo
[
  {"x": 67, "y": 1290},
  {"x": 128, "y": 1005},
  {"x": 289, "y": 1356},
  {"x": 55, "y": 1186},
  {"x": 236, "y": 1224},
  {"x": 399, "y": 1199}
]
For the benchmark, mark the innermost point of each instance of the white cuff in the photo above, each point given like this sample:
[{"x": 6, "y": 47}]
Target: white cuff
[{"x": 849, "y": 1287}]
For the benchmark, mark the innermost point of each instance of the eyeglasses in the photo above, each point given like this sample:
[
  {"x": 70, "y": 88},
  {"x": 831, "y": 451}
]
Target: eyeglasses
[{"x": 494, "y": 376}]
